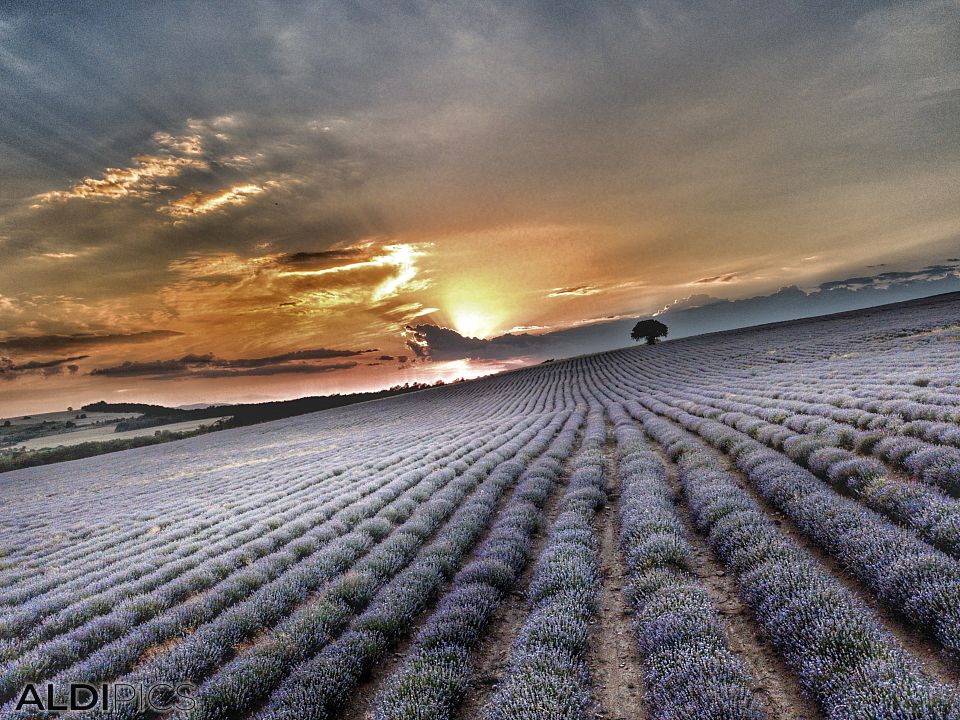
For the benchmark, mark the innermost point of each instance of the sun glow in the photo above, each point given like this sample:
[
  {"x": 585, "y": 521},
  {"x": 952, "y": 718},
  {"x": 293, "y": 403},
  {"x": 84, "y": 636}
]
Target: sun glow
[
  {"x": 474, "y": 307},
  {"x": 471, "y": 322}
]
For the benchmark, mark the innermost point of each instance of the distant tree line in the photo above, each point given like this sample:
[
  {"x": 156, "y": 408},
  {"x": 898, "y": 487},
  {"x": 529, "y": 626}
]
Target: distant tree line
[{"x": 17, "y": 459}]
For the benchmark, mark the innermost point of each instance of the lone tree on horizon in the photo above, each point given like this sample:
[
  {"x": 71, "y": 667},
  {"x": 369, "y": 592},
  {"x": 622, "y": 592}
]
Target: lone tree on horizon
[{"x": 650, "y": 330}]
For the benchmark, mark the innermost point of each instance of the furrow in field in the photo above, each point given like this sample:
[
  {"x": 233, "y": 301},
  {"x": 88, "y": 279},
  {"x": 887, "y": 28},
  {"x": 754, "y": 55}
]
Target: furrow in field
[
  {"x": 612, "y": 655},
  {"x": 330, "y": 623},
  {"x": 919, "y": 645},
  {"x": 845, "y": 656},
  {"x": 363, "y": 703},
  {"x": 777, "y": 684}
]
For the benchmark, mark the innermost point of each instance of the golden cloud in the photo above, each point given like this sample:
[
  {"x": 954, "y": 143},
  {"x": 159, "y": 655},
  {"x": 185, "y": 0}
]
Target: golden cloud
[
  {"x": 225, "y": 266},
  {"x": 371, "y": 279},
  {"x": 185, "y": 144},
  {"x": 138, "y": 180},
  {"x": 246, "y": 303},
  {"x": 399, "y": 259},
  {"x": 578, "y": 291},
  {"x": 201, "y": 203}
]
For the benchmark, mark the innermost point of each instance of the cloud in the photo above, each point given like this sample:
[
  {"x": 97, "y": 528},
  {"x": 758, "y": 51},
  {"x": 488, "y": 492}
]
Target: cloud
[
  {"x": 185, "y": 144},
  {"x": 49, "y": 343},
  {"x": 323, "y": 259},
  {"x": 432, "y": 342},
  {"x": 141, "y": 179},
  {"x": 296, "y": 355},
  {"x": 352, "y": 292},
  {"x": 201, "y": 203},
  {"x": 10, "y": 370},
  {"x": 691, "y": 301},
  {"x": 578, "y": 291},
  {"x": 210, "y": 366},
  {"x": 724, "y": 278},
  {"x": 399, "y": 259},
  {"x": 275, "y": 370},
  {"x": 896, "y": 277}
]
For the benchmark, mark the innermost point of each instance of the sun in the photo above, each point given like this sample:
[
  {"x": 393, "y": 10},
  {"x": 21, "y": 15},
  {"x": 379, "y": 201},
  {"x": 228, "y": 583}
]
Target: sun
[{"x": 471, "y": 322}]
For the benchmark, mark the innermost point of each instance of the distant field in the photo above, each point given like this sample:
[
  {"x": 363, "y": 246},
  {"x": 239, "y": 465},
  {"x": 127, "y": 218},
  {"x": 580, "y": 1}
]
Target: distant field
[
  {"x": 92, "y": 418},
  {"x": 23, "y": 430},
  {"x": 762, "y": 523},
  {"x": 107, "y": 432}
]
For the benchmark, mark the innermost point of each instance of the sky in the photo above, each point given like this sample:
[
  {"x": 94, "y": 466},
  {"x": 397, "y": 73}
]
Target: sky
[{"x": 222, "y": 202}]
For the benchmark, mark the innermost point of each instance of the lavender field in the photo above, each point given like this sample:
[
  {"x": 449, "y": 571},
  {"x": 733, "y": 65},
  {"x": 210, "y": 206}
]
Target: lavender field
[{"x": 761, "y": 523}]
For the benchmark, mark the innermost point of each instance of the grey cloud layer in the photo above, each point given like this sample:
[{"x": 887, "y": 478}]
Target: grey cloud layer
[{"x": 704, "y": 120}]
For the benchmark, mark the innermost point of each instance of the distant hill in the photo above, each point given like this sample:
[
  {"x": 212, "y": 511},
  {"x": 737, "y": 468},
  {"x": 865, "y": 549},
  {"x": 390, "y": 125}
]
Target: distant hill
[
  {"x": 696, "y": 315},
  {"x": 248, "y": 413}
]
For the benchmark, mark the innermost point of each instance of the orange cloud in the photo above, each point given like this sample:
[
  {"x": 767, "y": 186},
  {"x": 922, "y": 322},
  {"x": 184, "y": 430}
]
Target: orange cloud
[
  {"x": 185, "y": 144},
  {"x": 138, "y": 180},
  {"x": 269, "y": 296},
  {"x": 201, "y": 203},
  {"x": 400, "y": 258},
  {"x": 578, "y": 291},
  {"x": 714, "y": 279}
]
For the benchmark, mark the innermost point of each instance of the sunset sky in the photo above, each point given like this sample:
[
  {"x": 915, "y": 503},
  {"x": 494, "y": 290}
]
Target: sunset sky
[{"x": 240, "y": 201}]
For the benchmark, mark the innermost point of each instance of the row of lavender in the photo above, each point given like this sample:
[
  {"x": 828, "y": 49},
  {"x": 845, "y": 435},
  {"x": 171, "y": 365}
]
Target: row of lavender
[
  {"x": 175, "y": 604},
  {"x": 901, "y": 568},
  {"x": 278, "y": 572},
  {"x": 844, "y": 657},
  {"x": 435, "y": 675},
  {"x": 307, "y": 556},
  {"x": 547, "y": 675},
  {"x": 690, "y": 670}
]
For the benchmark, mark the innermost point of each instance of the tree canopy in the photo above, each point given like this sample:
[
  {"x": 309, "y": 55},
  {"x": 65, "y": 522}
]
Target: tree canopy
[{"x": 649, "y": 330}]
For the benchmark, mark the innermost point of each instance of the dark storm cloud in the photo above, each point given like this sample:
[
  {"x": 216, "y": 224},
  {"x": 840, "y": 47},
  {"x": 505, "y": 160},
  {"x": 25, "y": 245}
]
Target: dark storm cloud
[
  {"x": 725, "y": 278},
  {"x": 322, "y": 259},
  {"x": 50, "y": 343},
  {"x": 10, "y": 370},
  {"x": 208, "y": 365}
]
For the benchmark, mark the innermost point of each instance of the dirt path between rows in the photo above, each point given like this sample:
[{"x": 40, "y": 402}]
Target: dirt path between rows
[
  {"x": 612, "y": 655},
  {"x": 360, "y": 705},
  {"x": 916, "y": 643},
  {"x": 777, "y": 685},
  {"x": 491, "y": 658}
]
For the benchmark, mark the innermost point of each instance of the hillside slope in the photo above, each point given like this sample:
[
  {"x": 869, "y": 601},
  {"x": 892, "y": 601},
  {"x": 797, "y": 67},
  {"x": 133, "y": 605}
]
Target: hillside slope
[{"x": 756, "y": 523}]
